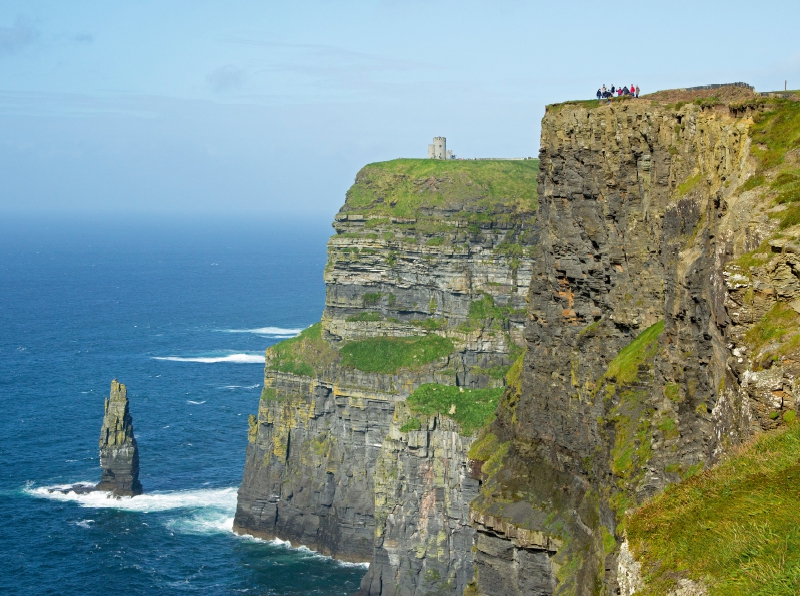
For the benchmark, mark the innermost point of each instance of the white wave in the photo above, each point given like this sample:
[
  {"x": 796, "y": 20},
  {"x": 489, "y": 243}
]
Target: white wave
[
  {"x": 207, "y": 521},
  {"x": 84, "y": 523},
  {"x": 223, "y": 499},
  {"x": 302, "y": 549},
  {"x": 274, "y": 331},
  {"x": 195, "y": 403},
  {"x": 234, "y": 358}
]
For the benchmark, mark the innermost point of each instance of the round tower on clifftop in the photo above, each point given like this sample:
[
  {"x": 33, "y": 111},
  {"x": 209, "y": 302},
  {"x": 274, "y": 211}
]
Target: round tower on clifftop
[{"x": 439, "y": 148}]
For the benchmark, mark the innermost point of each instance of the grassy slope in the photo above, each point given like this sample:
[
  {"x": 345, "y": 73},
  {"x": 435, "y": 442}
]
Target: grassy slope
[
  {"x": 470, "y": 408},
  {"x": 776, "y": 132},
  {"x": 388, "y": 354},
  {"x": 404, "y": 186},
  {"x": 735, "y": 527}
]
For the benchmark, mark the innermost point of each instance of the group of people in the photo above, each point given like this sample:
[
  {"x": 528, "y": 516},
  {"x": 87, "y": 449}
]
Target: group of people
[{"x": 607, "y": 94}]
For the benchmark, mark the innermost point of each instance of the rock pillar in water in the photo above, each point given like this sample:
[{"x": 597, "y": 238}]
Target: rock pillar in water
[{"x": 119, "y": 455}]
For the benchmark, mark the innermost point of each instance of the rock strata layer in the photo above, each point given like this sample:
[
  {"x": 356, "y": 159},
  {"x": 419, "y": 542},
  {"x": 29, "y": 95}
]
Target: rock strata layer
[{"x": 119, "y": 454}]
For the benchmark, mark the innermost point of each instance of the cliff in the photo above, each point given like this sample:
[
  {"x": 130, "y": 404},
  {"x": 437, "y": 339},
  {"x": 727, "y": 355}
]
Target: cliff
[
  {"x": 662, "y": 330},
  {"x": 516, "y": 359},
  {"x": 359, "y": 446},
  {"x": 119, "y": 454}
]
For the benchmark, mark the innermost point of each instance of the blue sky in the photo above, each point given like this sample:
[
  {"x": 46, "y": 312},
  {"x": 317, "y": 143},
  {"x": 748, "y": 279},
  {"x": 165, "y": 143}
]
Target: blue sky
[{"x": 244, "y": 107}]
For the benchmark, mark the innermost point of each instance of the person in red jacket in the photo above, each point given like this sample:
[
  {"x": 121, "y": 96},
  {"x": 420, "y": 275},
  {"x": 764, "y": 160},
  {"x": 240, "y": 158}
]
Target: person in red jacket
[{"x": 633, "y": 89}]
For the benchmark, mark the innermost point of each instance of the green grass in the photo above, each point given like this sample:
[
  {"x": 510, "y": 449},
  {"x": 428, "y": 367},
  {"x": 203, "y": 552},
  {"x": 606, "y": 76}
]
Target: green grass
[
  {"x": 688, "y": 185},
  {"x": 369, "y": 316},
  {"x": 484, "y": 310},
  {"x": 402, "y": 187},
  {"x": 775, "y": 132},
  {"x": 411, "y": 424},
  {"x": 470, "y": 408},
  {"x": 624, "y": 368},
  {"x": 305, "y": 355},
  {"x": 735, "y": 527},
  {"x": 779, "y": 326},
  {"x": 389, "y": 354}
]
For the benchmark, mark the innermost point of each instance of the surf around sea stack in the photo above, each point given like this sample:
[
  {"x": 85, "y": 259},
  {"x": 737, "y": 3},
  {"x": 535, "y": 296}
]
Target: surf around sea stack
[{"x": 119, "y": 454}]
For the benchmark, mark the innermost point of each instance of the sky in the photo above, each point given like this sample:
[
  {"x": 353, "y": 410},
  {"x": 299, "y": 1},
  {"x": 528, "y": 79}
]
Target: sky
[{"x": 270, "y": 108}]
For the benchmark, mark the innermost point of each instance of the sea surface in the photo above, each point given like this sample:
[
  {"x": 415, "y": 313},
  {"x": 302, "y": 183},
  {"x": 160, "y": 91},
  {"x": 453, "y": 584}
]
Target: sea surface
[{"x": 180, "y": 311}]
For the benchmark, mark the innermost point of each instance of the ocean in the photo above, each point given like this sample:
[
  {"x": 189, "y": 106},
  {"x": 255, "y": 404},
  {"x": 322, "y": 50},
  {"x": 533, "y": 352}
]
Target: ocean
[{"x": 181, "y": 311}]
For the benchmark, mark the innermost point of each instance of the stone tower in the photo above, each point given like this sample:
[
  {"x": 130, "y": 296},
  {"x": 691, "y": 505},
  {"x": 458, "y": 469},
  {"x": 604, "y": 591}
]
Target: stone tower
[
  {"x": 438, "y": 150},
  {"x": 119, "y": 454}
]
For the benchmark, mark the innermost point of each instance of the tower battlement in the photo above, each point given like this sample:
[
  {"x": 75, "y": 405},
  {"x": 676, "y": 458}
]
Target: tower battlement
[{"x": 438, "y": 149}]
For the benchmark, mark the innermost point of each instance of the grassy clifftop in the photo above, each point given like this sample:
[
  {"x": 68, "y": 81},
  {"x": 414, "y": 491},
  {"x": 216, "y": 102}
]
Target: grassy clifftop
[{"x": 404, "y": 187}]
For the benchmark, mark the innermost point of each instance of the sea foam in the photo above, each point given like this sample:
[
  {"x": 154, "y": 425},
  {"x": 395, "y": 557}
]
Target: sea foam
[
  {"x": 272, "y": 331},
  {"x": 220, "y": 498},
  {"x": 234, "y": 358}
]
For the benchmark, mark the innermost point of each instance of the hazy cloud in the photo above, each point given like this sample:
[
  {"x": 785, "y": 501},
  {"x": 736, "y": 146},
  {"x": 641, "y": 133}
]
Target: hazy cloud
[
  {"x": 83, "y": 38},
  {"x": 225, "y": 78},
  {"x": 17, "y": 37}
]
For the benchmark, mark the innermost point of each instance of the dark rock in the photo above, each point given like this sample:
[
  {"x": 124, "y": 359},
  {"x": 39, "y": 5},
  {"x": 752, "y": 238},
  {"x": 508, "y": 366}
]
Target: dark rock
[{"x": 119, "y": 454}]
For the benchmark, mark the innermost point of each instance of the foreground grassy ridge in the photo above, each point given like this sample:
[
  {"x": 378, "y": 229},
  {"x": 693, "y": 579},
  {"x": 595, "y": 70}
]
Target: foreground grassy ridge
[
  {"x": 736, "y": 527},
  {"x": 306, "y": 355},
  {"x": 404, "y": 186},
  {"x": 389, "y": 354},
  {"x": 470, "y": 408}
]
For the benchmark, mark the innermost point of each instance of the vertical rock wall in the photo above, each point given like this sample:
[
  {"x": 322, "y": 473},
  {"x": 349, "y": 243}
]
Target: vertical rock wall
[{"x": 639, "y": 212}]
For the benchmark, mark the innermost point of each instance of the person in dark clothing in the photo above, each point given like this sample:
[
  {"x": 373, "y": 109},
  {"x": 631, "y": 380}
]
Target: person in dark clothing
[
  {"x": 612, "y": 89},
  {"x": 625, "y": 91},
  {"x": 598, "y": 95}
]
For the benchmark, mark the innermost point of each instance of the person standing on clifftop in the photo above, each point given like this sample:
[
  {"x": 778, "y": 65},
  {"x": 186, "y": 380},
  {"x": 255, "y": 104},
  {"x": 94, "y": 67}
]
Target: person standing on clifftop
[
  {"x": 612, "y": 89},
  {"x": 598, "y": 95},
  {"x": 637, "y": 91}
]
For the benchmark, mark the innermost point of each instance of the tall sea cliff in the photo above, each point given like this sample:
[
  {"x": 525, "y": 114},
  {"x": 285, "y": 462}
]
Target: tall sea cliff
[{"x": 515, "y": 355}]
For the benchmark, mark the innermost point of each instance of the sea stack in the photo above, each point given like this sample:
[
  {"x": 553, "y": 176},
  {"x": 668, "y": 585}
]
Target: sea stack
[{"x": 119, "y": 455}]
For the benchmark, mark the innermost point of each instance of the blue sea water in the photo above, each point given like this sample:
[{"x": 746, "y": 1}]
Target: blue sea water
[{"x": 181, "y": 312}]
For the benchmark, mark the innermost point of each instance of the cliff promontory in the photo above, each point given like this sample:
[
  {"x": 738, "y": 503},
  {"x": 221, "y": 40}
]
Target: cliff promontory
[{"x": 359, "y": 446}]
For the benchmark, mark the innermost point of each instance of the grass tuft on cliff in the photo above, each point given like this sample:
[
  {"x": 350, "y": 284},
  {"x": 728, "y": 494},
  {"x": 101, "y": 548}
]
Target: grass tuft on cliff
[
  {"x": 624, "y": 368},
  {"x": 389, "y": 354},
  {"x": 305, "y": 355},
  {"x": 403, "y": 187},
  {"x": 470, "y": 408},
  {"x": 735, "y": 527}
]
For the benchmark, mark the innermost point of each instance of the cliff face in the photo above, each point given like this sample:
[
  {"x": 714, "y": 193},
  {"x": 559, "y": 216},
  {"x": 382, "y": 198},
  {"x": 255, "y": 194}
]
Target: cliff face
[
  {"x": 637, "y": 371},
  {"x": 426, "y": 283},
  {"x": 489, "y": 397},
  {"x": 119, "y": 454}
]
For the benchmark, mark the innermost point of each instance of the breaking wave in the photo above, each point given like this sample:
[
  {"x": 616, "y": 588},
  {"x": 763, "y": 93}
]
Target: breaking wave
[
  {"x": 234, "y": 358},
  {"x": 201, "y": 511},
  {"x": 271, "y": 331}
]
